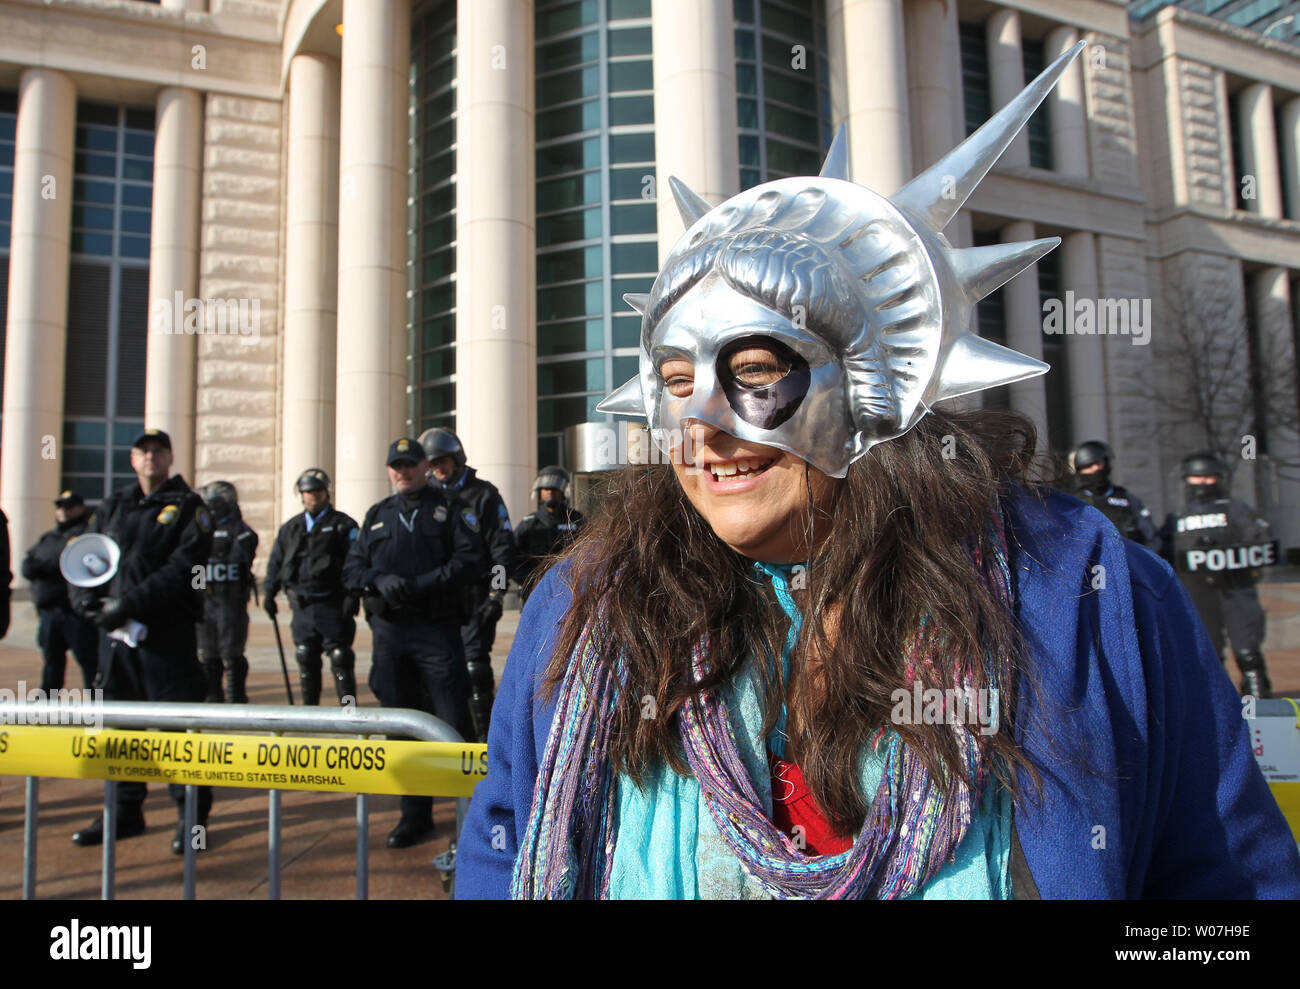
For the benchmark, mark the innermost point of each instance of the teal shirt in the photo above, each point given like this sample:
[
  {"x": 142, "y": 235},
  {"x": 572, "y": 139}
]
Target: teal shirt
[{"x": 669, "y": 848}]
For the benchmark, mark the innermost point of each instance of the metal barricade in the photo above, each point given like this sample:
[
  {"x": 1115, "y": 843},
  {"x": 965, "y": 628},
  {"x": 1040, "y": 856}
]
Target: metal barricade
[{"x": 281, "y": 721}]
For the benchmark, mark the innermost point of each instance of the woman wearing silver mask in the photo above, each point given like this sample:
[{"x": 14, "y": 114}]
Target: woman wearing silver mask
[{"x": 839, "y": 647}]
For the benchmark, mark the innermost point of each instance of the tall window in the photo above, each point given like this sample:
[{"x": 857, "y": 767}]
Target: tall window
[
  {"x": 1040, "y": 124},
  {"x": 1060, "y": 426},
  {"x": 8, "y": 129},
  {"x": 432, "y": 229},
  {"x": 596, "y": 190},
  {"x": 991, "y": 322},
  {"x": 977, "y": 97},
  {"x": 782, "y": 87},
  {"x": 108, "y": 296}
]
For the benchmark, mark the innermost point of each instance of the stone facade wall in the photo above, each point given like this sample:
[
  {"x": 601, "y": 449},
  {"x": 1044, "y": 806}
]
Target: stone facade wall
[
  {"x": 237, "y": 403},
  {"x": 1108, "y": 81},
  {"x": 1207, "y": 144}
]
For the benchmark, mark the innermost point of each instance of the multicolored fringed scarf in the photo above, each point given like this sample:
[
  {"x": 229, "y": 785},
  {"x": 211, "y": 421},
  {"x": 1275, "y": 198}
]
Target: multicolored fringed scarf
[{"x": 911, "y": 828}]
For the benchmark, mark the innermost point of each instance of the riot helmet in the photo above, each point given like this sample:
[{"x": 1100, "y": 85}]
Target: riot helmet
[
  {"x": 438, "y": 442},
  {"x": 221, "y": 498},
  {"x": 313, "y": 479},
  {"x": 1204, "y": 464},
  {"x": 1093, "y": 453},
  {"x": 556, "y": 479}
]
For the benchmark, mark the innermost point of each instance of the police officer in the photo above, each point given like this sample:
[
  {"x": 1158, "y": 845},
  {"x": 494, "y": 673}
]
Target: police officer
[
  {"x": 307, "y": 562},
  {"x": 414, "y": 562},
  {"x": 59, "y": 628},
  {"x": 165, "y": 535},
  {"x": 8, "y": 575},
  {"x": 549, "y": 529},
  {"x": 1225, "y": 598},
  {"x": 463, "y": 488},
  {"x": 223, "y": 633},
  {"x": 1092, "y": 483}
]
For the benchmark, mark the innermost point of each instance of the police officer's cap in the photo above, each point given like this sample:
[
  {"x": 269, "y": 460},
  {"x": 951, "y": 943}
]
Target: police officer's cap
[
  {"x": 1092, "y": 452},
  {"x": 438, "y": 442},
  {"x": 153, "y": 434},
  {"x": 68, "y": 499},
  {"x": 313, "y": 479},
  {"x": 1204, "y": 464},
  {"x": 405, "y": 449}
]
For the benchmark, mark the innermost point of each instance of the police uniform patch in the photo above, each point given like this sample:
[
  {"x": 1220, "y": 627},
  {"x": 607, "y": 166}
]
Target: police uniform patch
[
  {"x": 203, "y": 519},
  {"x": 377, "y": 525},
  {"x": 167, "y": 515},
  {"x": 440, "y": 513},
  {"x": 470, "y": 518}
]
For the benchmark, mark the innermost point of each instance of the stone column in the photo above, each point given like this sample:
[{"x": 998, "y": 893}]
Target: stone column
[
  {"x": 496, "y": 287},
  {"x": 1288, "y": 139},
  {"x": 1259, "y": 150},
  {"x": 933, "y": 74},
  {"x": 1066, "y": 103},
  {"x": 1024, "y": 315},
  {"x": 370, "y": 387},
  {"x": 869, "y": 89},
  {"x": 1087, "y": 366},
  {"x": 37, "y": 327},
  {"x": 694, "y": 45},
  {"x": 311, "y": 257},
  {"x": 170, "y": 357},
  {"x": 1007, "y": 76},
  {"x": 1279, "y": 498}
]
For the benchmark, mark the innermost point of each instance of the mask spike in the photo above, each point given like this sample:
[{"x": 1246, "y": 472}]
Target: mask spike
[
  {"x": 981, "y": 270},
  {"x": 836, "y": 165},
  {"x": 938, "y": 193},
  {"x": 690, "y": 205},
  {"x": 974, "y": 364},
  {"x": 637, "y": 300},
  {"x": 626, "y": 400}
]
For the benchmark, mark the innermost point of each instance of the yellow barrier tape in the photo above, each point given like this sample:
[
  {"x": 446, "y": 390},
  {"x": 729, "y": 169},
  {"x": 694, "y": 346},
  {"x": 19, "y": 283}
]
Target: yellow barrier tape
[
  {"x": 335, "y": 765},
  {"x": 1288, "y": 798}
]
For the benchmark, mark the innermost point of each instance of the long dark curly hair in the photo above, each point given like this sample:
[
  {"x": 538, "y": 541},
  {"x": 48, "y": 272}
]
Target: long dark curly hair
[{"x": 904, "y": 523}]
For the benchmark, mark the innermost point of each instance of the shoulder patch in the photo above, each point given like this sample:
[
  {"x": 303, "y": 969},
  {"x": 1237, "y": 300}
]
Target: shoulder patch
[
  {"x": 377, "y": 525},
  {"x": 440, "y": 513},
  {"x": 202, "y": 518},
  {"x": 352, "y": 534},
  {"x": 470, "y": 518},
  {"x": 167, "y": 515}
]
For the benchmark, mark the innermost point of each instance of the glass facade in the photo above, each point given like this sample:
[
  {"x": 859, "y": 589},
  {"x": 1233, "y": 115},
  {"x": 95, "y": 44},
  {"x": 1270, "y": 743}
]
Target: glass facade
[
  {"x": 782, "y": 88},
  {"x": 108, "y": 296},
  {"x": 596, "y": 190},
  {"x": 431, "y": 250},
  {"x": 8, "y": 127}
]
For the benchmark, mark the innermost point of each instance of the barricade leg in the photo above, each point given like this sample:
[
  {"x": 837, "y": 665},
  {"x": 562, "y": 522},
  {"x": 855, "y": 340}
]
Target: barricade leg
[
  {"x": 363, "y": 860},
  {"x": 110, "y": 840},
  {"x": 191, "y": 815},
  {"x": 273, "y": 846},
  {"x": 29, "y": 840}
]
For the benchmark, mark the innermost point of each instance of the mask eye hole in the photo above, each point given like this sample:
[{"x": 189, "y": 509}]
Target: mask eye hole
[
  {"x": 678, "y": 376},
  {"x": 757, "y": 366}
]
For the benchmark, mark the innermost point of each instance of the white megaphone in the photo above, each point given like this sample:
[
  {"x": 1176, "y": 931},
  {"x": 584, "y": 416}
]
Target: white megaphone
[{"x": 89, "y": 560}]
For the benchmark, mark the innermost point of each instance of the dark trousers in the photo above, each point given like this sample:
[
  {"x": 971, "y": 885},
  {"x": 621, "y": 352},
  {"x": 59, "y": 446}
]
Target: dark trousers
[
  {"x": 59, "y": 630},
  {"x": 164, "y": 667},
  {"x": 412, "y": 659},
  {"x": 1234, "y": 610},
  {"x": 223, "y": 633},
  {"x": 320, "y": 625}
]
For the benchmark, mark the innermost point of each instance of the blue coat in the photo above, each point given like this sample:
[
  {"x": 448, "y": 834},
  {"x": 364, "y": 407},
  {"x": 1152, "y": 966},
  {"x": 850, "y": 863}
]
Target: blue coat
[{"x": 1150, "y": 789}]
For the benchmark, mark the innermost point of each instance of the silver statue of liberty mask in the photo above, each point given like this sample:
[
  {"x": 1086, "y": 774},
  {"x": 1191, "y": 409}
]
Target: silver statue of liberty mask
[{"x": 820, "y": 318}]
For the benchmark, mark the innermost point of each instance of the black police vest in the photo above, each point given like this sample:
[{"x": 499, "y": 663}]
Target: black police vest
[
  {"x": 230, "y": 562},
  {"x": 1208, "y": 544},
  {"x": 1116, "y": 505},
  {"x": 542, "y": 533},
  {"x": 313, "y": 561}
]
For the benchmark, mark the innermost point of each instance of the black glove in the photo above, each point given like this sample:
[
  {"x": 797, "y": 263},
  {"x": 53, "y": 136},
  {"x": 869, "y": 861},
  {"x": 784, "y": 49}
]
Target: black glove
[
  {"x": 269, "y": 606},
  {"x": 111, "y": 615},
  {"x": 351, "y": 605},
  {"x": 395, "y": 590},
  {"x": 489, "y": 611}
]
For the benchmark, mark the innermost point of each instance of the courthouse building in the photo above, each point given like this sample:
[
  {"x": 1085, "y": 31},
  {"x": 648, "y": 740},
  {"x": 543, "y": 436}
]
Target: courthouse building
[{"x": 287, "y": 231}]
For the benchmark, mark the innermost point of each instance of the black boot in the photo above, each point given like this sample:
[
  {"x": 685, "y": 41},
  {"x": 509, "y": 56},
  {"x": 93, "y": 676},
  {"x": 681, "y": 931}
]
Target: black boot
[
  {"x": 310, "y": 683},
  {"x": 1254, "y": 675},
  {"x": 212, "y": 673},
  {"x": 237, "y": 673},
  {"x": 180, "y": 837},
  {"x": 480, "y": 702},
  {"x": 128, "y": 826}
]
